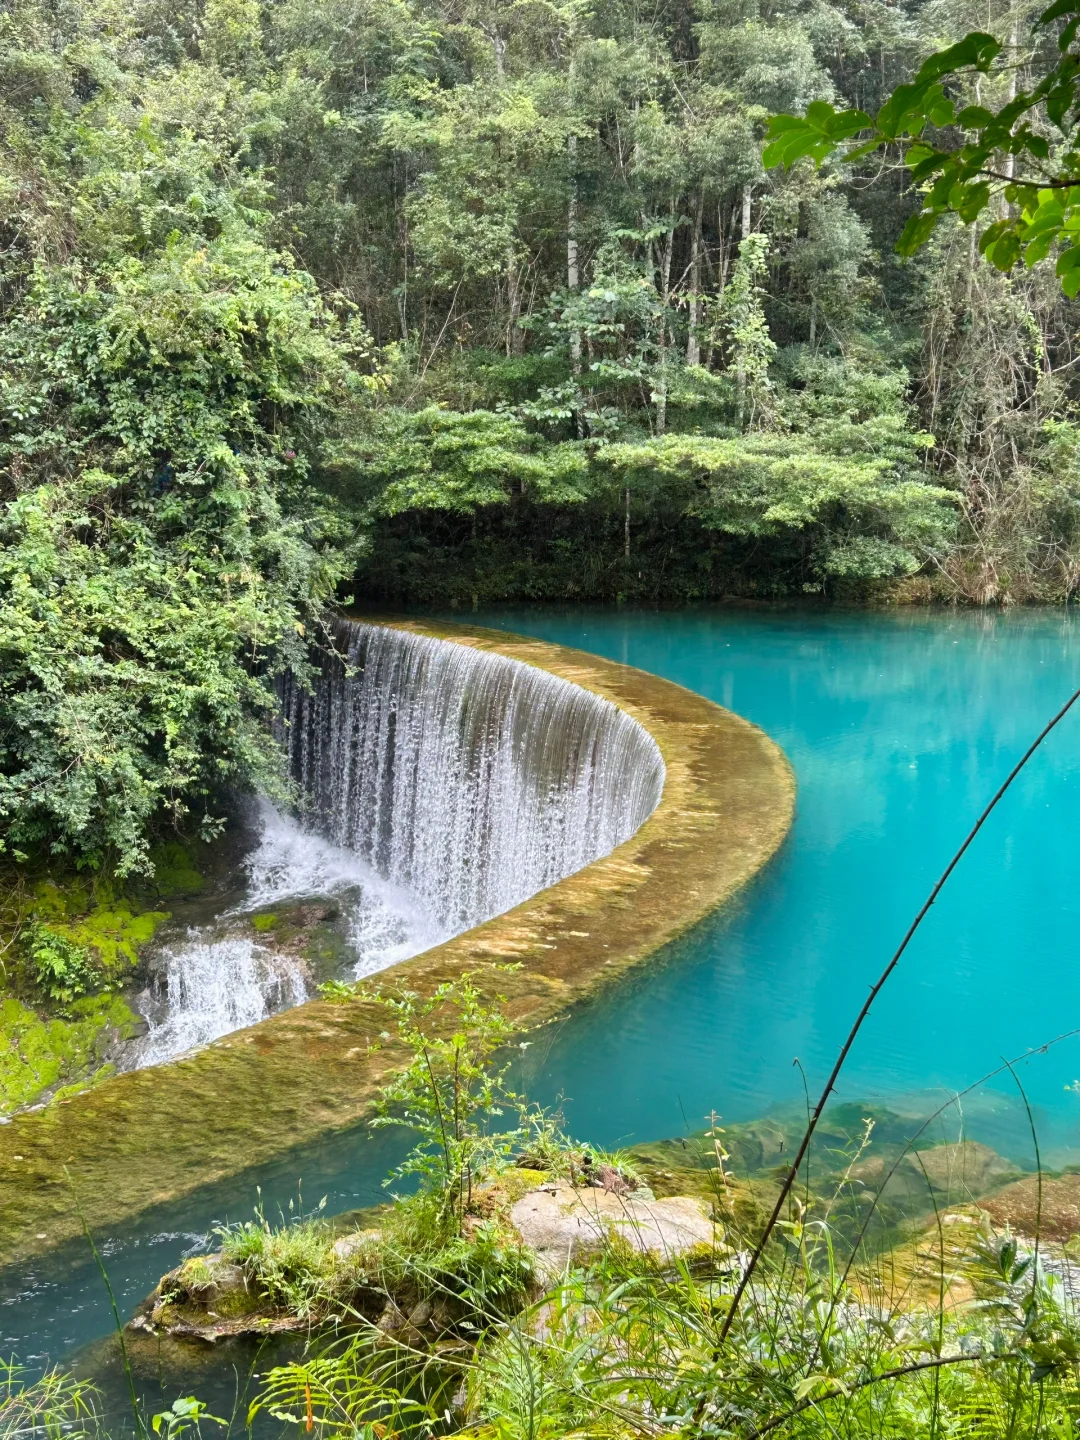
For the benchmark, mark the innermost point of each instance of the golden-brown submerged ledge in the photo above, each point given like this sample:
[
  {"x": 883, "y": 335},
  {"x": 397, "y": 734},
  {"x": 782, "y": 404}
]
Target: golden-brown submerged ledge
[{"x": 150, "y": 1136}]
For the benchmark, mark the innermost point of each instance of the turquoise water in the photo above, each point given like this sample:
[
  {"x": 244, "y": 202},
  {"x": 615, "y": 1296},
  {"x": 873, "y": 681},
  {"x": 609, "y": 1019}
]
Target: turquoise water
[{"x": 899, "y": 727}]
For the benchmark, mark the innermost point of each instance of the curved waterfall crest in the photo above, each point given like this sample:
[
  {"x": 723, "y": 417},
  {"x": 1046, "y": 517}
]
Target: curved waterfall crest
[{"x": 467, "y": 777}]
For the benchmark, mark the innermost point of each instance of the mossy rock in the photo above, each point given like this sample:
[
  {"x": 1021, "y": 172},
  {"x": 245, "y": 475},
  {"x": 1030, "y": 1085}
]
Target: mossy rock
[
  {"x": 109, "y": 928},
  {"x": 37, "y": 1054}
]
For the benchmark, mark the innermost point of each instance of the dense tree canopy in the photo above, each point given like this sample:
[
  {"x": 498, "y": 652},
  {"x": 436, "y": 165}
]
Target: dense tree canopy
[{"x": 452, "y": 300}]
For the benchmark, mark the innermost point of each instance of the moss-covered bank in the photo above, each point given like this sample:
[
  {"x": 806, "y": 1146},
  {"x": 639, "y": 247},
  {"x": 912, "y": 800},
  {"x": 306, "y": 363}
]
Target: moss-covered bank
[
  {"x": 148, "y": 1136},
  {"x": 71, "y": 945}
]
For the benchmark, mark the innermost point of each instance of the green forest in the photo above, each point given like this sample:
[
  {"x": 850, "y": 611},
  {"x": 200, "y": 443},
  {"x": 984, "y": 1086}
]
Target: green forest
[{"x": 448, "y": 304}]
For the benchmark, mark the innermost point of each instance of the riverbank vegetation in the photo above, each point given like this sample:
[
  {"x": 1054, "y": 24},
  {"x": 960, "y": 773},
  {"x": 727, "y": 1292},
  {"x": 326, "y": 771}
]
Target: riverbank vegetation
[{"x": 917, "y": 1310}]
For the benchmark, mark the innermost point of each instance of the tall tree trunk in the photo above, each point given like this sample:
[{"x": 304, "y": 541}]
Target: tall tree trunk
[
  {"x": 498, "y": 45},
  {"x": 1014, "y": 44},
  {"x": 514, "y": 335},
  {"x": 573, "y": 275},
  {"x": 740, "y": 368},
  {"x": 693, "y": 344},
  {"x": 665, "y": 300}
]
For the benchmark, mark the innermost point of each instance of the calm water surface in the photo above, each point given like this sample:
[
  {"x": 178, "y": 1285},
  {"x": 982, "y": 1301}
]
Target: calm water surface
[{"x": 899, "y": 728}]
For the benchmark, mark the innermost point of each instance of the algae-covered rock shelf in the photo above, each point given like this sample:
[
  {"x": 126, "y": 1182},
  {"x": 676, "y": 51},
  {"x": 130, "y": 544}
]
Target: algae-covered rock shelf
[
  {"x": 726, "y": 805},
  {"x": 71, "y": 961}
]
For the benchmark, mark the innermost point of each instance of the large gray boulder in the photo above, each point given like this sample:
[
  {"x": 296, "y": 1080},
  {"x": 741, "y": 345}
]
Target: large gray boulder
[{"x": 564, "y": 1225}]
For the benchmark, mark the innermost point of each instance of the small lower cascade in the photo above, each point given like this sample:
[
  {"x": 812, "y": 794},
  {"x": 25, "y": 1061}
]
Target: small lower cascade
[
  {"x": 219, "y": 977},
  {"x": 469, "y": 778},
  {"x": 214, "y": 986},
  {"x": 443, "y": 786}
]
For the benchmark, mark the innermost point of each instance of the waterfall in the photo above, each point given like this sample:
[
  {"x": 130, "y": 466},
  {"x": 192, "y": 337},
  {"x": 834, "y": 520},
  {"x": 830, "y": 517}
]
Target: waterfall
[
  {"x": 219, "y": 977},
  {"x": 443, "y": 785},
  {"x": 468, "y": 778},
  {"x": 214, "y": 986}
]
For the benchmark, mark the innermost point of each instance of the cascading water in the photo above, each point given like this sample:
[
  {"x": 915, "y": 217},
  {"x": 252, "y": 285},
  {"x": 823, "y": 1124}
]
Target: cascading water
[
  {"x": 219, "y": 977},
  {"x": 469, "y": 778},
  {"x": 444, "y": 784}
]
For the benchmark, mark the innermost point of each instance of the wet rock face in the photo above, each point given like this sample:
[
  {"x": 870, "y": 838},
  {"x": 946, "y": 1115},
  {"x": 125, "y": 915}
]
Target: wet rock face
[{"x": 565, "y": 1225}]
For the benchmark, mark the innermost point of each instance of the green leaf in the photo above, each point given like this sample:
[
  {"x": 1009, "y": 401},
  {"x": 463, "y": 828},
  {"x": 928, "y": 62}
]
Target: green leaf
[
  {"x": 866, "y": 148},
  {"x": 1039, "y": 248},
  {"x": 1059, "y": 101},
  {"x": 904, "y": 107},
  {"x": 1056, "y": 10},
  {"x": 992, "y": 234},
  {"x": 924, "y": 168},
  {"x": 848, "y": 122},
  {"x": 1005, "y": 252},
  {"x": 969, "y": 200},
  {"x": 780, "y": 124},
  {"x": 974, "y": 117},
  {"x": 917, "y": 231},
  {"x": 977, "y": 49},
  {"x": 819, "y": 114}
]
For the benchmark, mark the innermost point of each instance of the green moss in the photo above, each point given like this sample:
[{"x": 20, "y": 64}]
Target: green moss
[
  {"x": 104, "y": 1072},
  {"x": 38, "y": 1052},
  {"x": 264, "y": 922},
  {"x": 108, "y": 925},
  {"x": 176, "y": 873},
  {"x": 113, "y": 935}
]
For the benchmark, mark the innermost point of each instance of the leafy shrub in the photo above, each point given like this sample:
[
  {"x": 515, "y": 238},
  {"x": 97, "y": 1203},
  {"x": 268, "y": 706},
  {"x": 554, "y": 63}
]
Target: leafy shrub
[
  {"x": 61, "y": 969},
  {"x": 164, "y": 398}
]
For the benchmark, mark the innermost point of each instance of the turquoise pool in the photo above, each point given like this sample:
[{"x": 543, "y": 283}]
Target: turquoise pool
[{"x": 899, "y": 727}]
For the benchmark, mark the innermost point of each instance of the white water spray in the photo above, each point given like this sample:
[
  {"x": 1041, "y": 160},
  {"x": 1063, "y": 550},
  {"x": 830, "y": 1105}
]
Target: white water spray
[
  {"x": 446, "y": 785},
  {"x": 215, "y": 980},
  {"x": 216, "y": 986}
]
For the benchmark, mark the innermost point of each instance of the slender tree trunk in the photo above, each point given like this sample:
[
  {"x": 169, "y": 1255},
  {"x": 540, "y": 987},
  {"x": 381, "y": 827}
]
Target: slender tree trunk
[
  {"x": 1014, "y": 42},
  {"x": 573, "y": 276},
  {"x": 740, "y": 368},
  {"x": 665, "y": 300},
  {"x": 813, "y": 321},
  {"x": 498, "y": 45},
  {"x": 693, "y": 345},
  {"x": 513, "y": 300},
  {"x": 626, "y": 523}
]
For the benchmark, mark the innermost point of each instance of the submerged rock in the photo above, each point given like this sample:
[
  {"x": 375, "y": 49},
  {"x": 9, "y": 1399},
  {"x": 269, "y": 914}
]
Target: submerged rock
[
  {"x": 563, "y": 1225},
  {"x": 1049, "y": 1207}
]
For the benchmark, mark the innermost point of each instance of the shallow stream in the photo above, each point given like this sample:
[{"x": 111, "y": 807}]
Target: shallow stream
[{"x": 899, "y": 727}]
